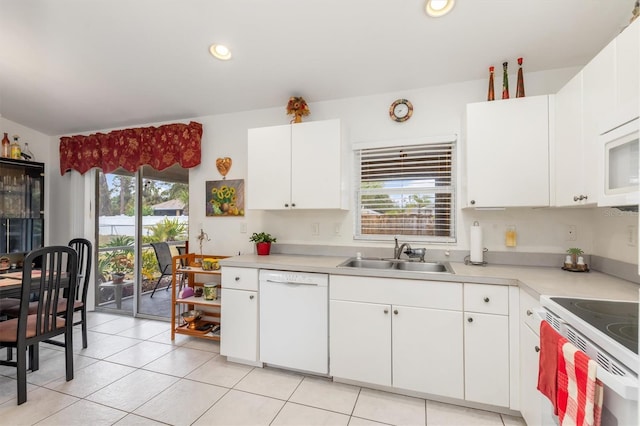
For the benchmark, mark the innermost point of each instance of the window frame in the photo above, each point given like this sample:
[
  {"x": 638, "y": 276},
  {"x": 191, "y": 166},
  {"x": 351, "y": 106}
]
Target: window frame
[{"x": 450, "y": 140}]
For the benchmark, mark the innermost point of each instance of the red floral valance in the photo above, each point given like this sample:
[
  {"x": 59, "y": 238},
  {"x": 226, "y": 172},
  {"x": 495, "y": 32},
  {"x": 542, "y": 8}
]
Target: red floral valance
[{"x": 158, "y": 147}]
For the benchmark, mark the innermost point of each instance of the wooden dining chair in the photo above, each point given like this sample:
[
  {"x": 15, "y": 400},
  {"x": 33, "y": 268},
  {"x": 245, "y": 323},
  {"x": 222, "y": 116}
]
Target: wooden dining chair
[{"x": 58, "y": 274}]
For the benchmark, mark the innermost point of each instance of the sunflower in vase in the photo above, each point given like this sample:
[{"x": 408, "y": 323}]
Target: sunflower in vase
[{"x": 298, "y": 107}]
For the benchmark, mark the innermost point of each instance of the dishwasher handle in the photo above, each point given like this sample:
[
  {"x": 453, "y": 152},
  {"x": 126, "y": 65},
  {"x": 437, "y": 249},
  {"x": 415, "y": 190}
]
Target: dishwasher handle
[{"x": 291, "y": 283}]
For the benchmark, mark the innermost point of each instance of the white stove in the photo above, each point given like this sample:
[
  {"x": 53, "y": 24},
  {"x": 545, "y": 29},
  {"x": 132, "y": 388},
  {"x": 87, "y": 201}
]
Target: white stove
[{"x": 607, "y": 331}]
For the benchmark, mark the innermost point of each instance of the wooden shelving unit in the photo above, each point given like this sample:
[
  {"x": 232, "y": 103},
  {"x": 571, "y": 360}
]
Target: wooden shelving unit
[{"x": 186, "y": 264}]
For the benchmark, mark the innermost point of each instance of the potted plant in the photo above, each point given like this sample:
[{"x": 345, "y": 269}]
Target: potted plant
[
  {"x": 574, "y": 252},
  {"x": 263, "y": 242},
  {"x": 120, "y": 265}
]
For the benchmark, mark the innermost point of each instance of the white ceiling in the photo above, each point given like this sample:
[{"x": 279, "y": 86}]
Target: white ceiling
[{"x": 71, "y": 66}]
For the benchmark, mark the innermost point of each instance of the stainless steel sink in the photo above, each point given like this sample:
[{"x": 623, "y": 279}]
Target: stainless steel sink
[
  {"x": 368, "y": 263},
  {"x": 398, "y": 265}
]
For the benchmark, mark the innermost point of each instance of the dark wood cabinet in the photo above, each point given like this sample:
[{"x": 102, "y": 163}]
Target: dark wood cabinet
[{"x": 21, "y": 205}]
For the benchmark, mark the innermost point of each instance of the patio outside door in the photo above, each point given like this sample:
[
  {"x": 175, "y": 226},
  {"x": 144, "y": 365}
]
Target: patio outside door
[{"x": 135, "y": 210}]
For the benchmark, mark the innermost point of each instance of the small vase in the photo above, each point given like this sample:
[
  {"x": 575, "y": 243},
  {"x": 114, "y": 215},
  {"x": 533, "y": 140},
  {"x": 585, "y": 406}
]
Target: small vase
[
  {"x": 263, "y": 249},
  {"x": 6, "y": 146},
  {"x": 491, "y": 93},
  {"x": 505, "y": 81},
  {"x": 520, "y": 85}
]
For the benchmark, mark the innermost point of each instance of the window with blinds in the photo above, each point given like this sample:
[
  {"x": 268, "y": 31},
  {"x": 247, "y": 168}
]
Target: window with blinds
[{"x": 407, "y": 191}]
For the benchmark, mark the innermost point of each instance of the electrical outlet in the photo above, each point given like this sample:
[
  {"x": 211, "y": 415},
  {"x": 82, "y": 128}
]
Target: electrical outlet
[
  {"x": 243, "y": 227},
  {"x": 572, "y": 233},
  {"x": 315, "y": 229},
  {"x": 632, "y": 235}
]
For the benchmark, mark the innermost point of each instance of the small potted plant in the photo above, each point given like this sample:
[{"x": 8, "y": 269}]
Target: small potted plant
[
  {"x": 120, "y": 266},
  {"x": 263, "y": 242},
  {"x": 574, "y": 253}
]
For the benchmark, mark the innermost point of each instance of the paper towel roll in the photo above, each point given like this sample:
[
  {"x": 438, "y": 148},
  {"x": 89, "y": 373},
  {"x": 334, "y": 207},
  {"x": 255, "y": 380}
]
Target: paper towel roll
[{"x": 476, "y": 243}]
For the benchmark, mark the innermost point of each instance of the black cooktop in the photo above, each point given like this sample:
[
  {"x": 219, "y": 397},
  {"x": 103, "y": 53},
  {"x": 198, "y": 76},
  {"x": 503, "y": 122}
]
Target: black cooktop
[{"x": 616, "y": 319}]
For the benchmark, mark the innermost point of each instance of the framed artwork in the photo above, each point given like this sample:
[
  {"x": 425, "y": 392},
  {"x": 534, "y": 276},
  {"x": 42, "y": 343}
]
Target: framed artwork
[{"x": 225, "y": 197}]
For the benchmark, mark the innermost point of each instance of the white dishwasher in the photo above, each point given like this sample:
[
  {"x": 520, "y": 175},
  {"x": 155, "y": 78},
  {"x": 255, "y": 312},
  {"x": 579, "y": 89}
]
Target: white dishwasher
[{"x": 294, "y": 320}]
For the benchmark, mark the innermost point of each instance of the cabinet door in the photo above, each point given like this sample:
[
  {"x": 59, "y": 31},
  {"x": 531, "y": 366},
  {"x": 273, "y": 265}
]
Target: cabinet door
[
  {"x": 428, "y": 351},
  {"x": 269, "y": 168},
  {"x": 599, "y": 99},
  {"x": 360, "y": 341},
  {"x": 486, "y": 359},
  {"x": 569, "y": 154},
  {"x": 530, "y": 398},
  {"x": 316, "y": 166},
  {"x": 508, "y": 153},
  {"x": 628, "y": 65},
  {"x": 239, "y": 324}
]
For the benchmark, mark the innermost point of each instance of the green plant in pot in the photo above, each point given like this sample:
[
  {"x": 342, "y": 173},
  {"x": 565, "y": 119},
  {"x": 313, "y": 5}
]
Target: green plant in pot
[
  {"x": 263, "y": 242},
  {"x": 575, "y": 252}
]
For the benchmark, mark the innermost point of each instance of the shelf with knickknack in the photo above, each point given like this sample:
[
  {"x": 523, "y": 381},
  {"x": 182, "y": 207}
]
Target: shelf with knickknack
[
  {"x": 21, "y": 205},
  {"x": 188, "y": 295}
]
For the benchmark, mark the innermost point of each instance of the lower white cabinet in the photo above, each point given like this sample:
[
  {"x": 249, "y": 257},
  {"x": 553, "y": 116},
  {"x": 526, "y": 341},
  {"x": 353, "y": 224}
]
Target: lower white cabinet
[
  {"x": 239, "y": 329},
  {"x": 486, "y": 344},
  {"x": 486, "y": 361},
  {"x": 360, "y": 341},
  {"x": 404, "y": 334},
  {"x": 427, "y": 350}
]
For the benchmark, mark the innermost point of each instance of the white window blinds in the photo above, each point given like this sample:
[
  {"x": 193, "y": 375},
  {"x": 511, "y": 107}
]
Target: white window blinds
[{"x": 406, "y": 190}]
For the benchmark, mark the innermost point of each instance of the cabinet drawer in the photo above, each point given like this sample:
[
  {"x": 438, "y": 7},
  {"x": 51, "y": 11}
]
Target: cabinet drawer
[
  {"x": 240, "y": 278},
  {"x": 489, "y": 299},
  {"x": 528, "y": 307}
]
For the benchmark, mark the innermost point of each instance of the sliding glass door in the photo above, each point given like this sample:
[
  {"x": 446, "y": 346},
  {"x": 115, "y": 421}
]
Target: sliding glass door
[{"x": 135, "y": 210}]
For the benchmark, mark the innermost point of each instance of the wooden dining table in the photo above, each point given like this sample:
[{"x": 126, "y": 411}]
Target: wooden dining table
[{"x": 11, "y": 283}]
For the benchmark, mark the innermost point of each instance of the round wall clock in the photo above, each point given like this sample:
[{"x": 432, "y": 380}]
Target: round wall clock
[{"x": 400, "y": 110}]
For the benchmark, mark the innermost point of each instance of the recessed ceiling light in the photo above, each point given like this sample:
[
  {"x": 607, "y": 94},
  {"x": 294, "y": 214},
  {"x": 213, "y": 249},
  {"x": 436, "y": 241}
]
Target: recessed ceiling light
[
  {"x": 437, "y": 8},
  {"x": 220, "y": 51}
]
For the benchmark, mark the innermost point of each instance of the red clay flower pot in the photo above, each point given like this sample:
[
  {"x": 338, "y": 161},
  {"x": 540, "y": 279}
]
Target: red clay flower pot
[{"x": 263, "y": 249}]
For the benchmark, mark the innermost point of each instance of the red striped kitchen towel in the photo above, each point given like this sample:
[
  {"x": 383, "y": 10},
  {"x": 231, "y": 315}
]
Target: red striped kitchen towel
[
  {"x": 580, "y": 393},
  {"x": 548, "y": 362}
]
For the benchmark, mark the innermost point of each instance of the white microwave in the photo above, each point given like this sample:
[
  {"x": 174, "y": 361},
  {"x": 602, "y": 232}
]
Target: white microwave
[{"x": 619, "y": 166}]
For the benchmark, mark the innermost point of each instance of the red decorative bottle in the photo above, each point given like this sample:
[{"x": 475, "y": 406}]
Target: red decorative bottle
[
  {"x": 6, "y": 146},
  {"x": 491, "y": 95},
  {"x": 520, "y": 86},
  {"x": 505, "y": 81}
]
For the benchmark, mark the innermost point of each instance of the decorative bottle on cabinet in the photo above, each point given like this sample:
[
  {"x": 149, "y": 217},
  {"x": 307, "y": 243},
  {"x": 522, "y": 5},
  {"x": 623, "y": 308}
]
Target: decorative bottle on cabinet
[
  {"x": 6, "y": 146},
  {"x": 505, "y": 81},
  {"x": 15, "y": 149},
  {"x": 491, "y": 95},
  {"x": 520, "y": 85}
]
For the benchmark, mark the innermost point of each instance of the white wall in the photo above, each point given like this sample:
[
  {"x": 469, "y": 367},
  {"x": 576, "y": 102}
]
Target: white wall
[{"x": 437, "y": 110}]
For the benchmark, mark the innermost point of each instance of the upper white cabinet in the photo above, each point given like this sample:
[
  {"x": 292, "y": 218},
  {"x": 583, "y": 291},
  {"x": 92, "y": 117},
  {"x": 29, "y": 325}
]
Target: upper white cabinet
[
  {"x": 297, "y": 166},
  {"x": 628, "y": 65},
  {"x": 573, "y": 183},
  {"x": 508, "y": 153}
]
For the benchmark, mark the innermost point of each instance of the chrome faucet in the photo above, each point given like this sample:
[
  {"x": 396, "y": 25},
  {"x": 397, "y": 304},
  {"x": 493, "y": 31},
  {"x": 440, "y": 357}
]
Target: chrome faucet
[{"x": 398, "y": 249}]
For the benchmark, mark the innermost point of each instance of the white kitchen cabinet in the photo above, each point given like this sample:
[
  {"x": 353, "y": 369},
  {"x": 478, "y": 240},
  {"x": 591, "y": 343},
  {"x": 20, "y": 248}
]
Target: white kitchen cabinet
[
  {"x": 239, "y": 330},
  {"x": 427, "y": 351},
  {"x": 628, "y": 65},
  {"x": 571, "y": 168},
  {"x": 507, "y": 152},
  {"x": 599, "y": 99},
  {"x": 486, "y": 344},
  {"x": 297, "y": 166},
  {"x": 360, "y": 341},
  {"x": 389, "y": 332},
  {"x": 534, "y": 407}
]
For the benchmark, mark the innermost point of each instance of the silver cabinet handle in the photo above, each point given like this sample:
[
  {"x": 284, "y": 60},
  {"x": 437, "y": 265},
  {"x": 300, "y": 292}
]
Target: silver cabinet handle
[
  {"x": 529, "y": 312},
  {"x": 537, "y": 348},
  {"x": 386, "y": 311},
  {"x": 580, "y": 197},
  {"x": 470, "y": 319},
  {"x": 472, "y": 202},
  {"x": 395, "y": 312},
  {"x": 237, "y": 278},
  {"x": 486, "y": 300},
  {"x": 251, "y": 297}
]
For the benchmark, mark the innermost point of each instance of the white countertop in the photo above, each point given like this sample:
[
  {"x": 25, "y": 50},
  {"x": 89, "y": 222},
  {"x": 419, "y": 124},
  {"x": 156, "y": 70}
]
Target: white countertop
[{"x": 535, "y": 280}]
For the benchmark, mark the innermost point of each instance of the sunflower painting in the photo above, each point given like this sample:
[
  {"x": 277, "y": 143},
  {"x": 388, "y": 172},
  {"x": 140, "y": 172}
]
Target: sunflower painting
[{"x": 225, "y": 197}]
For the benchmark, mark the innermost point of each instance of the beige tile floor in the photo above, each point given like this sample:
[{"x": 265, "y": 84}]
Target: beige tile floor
[{"x": 132, "y": 374}]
